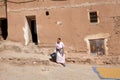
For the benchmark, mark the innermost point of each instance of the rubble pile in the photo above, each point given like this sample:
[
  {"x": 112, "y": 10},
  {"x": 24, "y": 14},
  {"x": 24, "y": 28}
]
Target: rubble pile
[{"x": 18, "y": 54}]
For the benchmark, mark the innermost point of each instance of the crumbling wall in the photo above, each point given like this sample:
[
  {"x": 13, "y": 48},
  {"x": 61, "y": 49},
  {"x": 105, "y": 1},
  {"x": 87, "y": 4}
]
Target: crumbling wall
[
  {"x": 2, "y": 10},
  {"x": 114, "y": 40}
]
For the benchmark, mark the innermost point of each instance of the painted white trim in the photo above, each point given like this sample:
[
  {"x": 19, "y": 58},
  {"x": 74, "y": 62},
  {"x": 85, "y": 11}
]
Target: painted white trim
[
  {"x": 97, "y": 17},
  {"x": 37, "y": 31},
  {"x": 26, "y": 33},
  {"x": 97, "y": 36}
]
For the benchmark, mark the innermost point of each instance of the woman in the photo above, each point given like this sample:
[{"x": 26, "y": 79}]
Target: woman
[{"x": 60, "y": 58}]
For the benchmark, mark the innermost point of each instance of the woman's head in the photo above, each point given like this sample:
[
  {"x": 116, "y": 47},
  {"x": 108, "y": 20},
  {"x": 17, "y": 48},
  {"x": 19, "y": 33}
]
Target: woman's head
[{"x": 58, "y": 40}]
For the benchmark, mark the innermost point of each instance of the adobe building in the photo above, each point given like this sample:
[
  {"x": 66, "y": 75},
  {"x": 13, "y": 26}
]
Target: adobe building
[{"x": 89, "y": 26}]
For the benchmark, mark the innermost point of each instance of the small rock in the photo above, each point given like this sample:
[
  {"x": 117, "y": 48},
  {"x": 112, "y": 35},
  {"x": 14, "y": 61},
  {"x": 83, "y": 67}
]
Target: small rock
[
  {"x": 45, "y": 69},
  {"x": 34, "y": 62}
]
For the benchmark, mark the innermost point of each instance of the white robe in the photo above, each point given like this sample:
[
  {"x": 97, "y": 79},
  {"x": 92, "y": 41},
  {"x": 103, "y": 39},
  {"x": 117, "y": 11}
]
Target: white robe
[{"x": 60, "y": 54}]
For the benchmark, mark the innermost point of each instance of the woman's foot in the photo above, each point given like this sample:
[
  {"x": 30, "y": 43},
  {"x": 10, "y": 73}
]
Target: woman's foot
[{"x": 63, "y": 64}]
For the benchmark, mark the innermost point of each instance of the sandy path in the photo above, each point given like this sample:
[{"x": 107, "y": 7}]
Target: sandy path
[{"x": 70, "y": 72}]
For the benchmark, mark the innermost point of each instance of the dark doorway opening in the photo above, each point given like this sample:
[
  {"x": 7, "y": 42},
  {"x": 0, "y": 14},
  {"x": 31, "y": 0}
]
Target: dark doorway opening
[
  {"x": 97, "y": 46},
  {"x": 3, "y": 28},
  {"x": 32, "y": 25}
]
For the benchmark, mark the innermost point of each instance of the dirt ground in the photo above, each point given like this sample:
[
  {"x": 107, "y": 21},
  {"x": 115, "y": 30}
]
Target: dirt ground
[
  {"x": 19, "y": 62},
  {"x": 27, "y": 72}
]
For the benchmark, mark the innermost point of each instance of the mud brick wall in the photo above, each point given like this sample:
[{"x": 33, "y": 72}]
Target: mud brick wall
[{"x": 114, "y": 40}]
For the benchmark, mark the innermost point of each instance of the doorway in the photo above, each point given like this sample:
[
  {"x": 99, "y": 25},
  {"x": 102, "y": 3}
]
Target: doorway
[
  {"x": 33, "y": 30},
  {"x": 3, "y": 28},
  {"x": 97, "y": 46}
]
